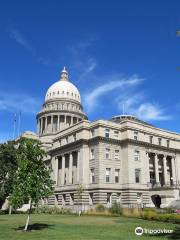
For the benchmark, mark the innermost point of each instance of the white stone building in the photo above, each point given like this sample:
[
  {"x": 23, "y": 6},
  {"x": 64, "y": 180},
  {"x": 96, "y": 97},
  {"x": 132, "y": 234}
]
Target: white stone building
[{"x": 123, "y": 159}]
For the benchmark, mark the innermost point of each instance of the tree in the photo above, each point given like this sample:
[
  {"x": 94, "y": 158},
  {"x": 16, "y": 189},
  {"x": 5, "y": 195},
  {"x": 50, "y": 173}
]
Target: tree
[
  {"x": 8, "y": 167},
  {"x": 80, "y": 191},
  {"x": 32, "y": 180}
]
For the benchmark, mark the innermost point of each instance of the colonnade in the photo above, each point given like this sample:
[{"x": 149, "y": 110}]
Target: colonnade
[
  {"x": 162, "y": 170},
  {"x": 53, "y": 123},
  {"x": 67, "y": 168}
]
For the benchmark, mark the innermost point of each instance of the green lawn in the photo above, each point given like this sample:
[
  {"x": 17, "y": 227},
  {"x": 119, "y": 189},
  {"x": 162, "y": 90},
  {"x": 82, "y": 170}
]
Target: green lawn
[{"x": 67, "y": 227}]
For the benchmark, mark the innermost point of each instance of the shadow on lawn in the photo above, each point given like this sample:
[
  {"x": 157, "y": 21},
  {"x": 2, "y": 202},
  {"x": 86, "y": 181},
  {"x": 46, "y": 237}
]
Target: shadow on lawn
[{"x": 35, "y": 226}]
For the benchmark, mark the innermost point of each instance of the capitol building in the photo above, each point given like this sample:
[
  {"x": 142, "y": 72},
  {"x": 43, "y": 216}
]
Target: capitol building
[{"x": 122, "y": 159}]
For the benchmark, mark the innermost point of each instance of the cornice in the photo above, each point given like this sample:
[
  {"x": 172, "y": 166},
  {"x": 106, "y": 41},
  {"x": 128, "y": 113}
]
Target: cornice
[{"x": 123, "y": 142}]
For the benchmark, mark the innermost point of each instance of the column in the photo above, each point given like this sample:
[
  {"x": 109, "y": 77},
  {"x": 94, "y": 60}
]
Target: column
[
  {"x": 46, "y": 124},
  {"x": 63, "y": 170},
  {"x": 165, "y": 170},
  {"x": 156, "y": 169},
  {"x": 56, "y": 170},
  {"x": 78, "y": 162},
  {"x": 173, "y": 170},
  {"x": 70, "y": 167},
  {"x": 147, "y": 157},
  {"x": 41, "y": 125},
  {"x": 58, "y": 123},
  {"x": 51, "y": 123}
]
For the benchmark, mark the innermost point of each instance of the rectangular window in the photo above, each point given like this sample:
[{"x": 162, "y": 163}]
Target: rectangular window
[
  {"x": 92, "y": 176},
  {"x": 116, "y": 154},
  {"x": 136, "y": 155},
  {"x": 108, "y": 170},
  {"x": 135, "y": 135},
  {"x": 151, "y": 139},
  {"x": 116, "y": 175},
  {"x": 137, "y": 175},
  {"x": 168, "y": 143},
  {"x": 107, "y": 153},
  {"x": 66, "y": 139},
  {"x": 107, "y": 133},
  {"x": 159, "y": 141},
  {"x": 92, "y": 153},
  {"x": 116, "y": 134}
]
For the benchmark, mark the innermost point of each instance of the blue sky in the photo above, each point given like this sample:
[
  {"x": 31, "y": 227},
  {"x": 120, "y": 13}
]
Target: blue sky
[{"x": 122, "y": 52}]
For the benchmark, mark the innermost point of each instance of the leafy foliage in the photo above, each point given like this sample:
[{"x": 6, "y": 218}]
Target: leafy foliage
[
  {"x": 116, "y": 208},
  {"x": 8, "y": 167},
  {"x": 32, "y": 179}
]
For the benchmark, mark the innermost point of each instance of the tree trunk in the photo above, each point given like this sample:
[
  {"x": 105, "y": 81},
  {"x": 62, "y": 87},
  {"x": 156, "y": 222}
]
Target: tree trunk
[
  {"x": 10, "y": 209},
  {"x": 28, "y": 217}
]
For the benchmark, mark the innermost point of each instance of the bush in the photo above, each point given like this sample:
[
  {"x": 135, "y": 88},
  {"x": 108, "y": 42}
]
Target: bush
[
  {"x": 52, "y": 210},
  {"x": 115, "y": 208},
  {"x": 100, "y": 208}
]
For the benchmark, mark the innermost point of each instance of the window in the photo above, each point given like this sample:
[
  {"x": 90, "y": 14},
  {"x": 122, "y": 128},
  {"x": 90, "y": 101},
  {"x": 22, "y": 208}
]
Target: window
[
  {"x": 168, "y": 143},
  {"x": 107, "y": 153},
  {"x": 108, "y": 174},
  {"x": 136, "y": 155},
  {"x": 92, "y": 153},
  {"x": 66, "y": 139},
  {"x": 116, "y": 154},
  {"x": 116, "y": 175},
  {"x": 135, "y": 135},
  {"x": 151, "y": 139},
  {"x": 92, "y": 176},
  {"x": 107, "y": 133},
  {"x": 74, "y": 137},
  {"x": 159, "y": 141},
  {"x": 137, "y": 175},
  {"x": 116, "y": 134},
  {"x": 92, "y": 132}
]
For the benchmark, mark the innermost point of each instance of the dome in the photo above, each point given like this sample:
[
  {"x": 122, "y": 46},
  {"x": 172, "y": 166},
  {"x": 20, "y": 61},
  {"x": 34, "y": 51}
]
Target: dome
[{"x": 63, "y": 89}]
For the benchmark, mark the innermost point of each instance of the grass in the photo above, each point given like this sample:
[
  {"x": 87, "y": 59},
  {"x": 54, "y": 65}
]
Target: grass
[{"x": 66, "y": 227}]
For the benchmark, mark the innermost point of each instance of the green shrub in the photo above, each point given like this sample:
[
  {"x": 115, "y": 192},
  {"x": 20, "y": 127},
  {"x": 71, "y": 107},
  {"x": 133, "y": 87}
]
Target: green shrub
[
  {"x": 100, "y": 208},
  {"x": 115, "y": 208},
  {"x": 52, "y": 210}
]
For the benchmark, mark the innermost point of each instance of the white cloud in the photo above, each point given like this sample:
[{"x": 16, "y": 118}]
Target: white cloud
[
  {"x": 11, "y": 102},
  {"x": 91, "y": 99},
  {"x": 149, "y": 111},
  {"x": 20, "y": 39},
  {"x": 136, "y": 104},
  {"x": 82, "y": 61}
]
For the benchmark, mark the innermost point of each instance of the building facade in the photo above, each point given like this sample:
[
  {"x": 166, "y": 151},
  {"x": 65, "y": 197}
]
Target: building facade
[{"x": 122, "y": 159}]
